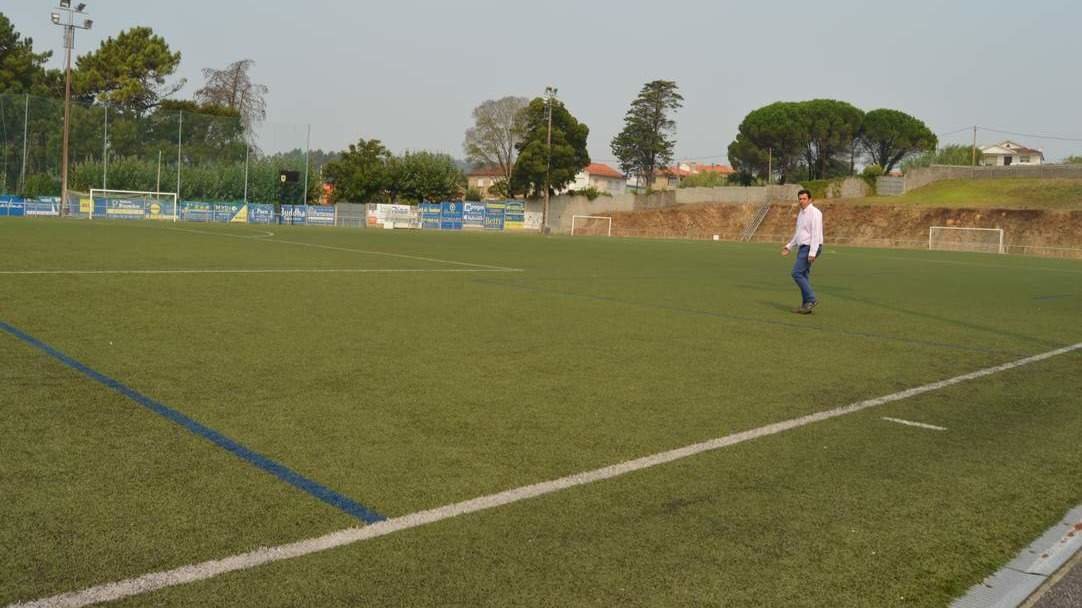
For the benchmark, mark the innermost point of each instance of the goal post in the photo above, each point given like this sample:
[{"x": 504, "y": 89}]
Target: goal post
[
  {"x": 955, "y": 238},
  {"x": 591, "y": 225},
  {"x": 133, "y": 205}
]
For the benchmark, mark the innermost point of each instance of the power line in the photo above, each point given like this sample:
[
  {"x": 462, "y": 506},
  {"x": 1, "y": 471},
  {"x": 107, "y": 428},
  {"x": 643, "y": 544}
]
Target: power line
[{"x": 1015, "y": 133}]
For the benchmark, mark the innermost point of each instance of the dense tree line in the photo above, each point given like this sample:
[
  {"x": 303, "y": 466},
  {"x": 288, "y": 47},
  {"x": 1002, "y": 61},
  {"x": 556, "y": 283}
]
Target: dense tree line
[{"x": 823, "y": 138}]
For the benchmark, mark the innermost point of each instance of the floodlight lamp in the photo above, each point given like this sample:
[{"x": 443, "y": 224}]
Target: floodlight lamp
[
  {"x": 65, "y": 3},
  {"x": 88, "y": 23},
  {"x": 56, "y": 18},
  {"x": 79, "y": 7}
]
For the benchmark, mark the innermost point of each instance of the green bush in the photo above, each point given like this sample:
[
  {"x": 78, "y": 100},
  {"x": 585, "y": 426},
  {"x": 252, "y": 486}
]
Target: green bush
[
  {"x": 872, "y": 171},
  {"x": 590, "y": 193}
]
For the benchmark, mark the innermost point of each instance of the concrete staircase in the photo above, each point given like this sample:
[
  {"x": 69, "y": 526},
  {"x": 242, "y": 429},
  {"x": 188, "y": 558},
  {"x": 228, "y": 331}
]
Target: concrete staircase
[{"x": 756, "y": 221}]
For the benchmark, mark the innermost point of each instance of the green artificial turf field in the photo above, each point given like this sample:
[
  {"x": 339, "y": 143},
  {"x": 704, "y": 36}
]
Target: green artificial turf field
[{"x": 395, "y": 372}]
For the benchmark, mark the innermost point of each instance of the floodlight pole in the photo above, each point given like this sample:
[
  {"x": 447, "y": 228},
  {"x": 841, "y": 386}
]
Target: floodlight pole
[
  {"x": 105, "y": 153},
  {"x": 307, "y": 152},
  {"x": 26, "y": 133},
  {"x": 67, "y": 21},
  {"x": 550, "y": 94}
]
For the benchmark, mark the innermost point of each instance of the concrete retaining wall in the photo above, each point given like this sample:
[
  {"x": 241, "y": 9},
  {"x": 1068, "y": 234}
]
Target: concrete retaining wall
[
  {"x": 563, "y": 208},
  {"x": 923, "y": 176}
]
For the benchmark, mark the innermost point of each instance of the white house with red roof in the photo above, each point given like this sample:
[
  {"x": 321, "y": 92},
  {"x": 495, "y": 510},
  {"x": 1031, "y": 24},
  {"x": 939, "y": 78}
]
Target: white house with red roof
[
  {"x": 1007, "y": 153},
  {"x": 600, "y": 176}
]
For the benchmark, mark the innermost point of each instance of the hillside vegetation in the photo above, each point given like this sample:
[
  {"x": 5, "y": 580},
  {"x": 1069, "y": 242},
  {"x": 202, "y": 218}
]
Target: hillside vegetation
[{"x": 1013, "y": 193}]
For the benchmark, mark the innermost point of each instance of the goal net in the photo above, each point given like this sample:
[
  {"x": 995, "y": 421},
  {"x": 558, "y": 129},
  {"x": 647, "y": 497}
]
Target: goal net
[
  {"x": 591, "y": 225},
  {"x": 952, "y": 238},
  {"x": 132, "y": 205}
]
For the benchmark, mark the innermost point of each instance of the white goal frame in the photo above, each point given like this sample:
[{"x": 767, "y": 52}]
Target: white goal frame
[
  {"x": 144, "y": 194},
  {"x": 590, "y": 217},
  {"x": 1000, "y": 248}
]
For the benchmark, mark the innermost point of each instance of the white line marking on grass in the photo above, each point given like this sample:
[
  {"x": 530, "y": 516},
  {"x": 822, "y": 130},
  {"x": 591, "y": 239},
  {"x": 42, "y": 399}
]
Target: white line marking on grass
[
  {"x": 982, "y": 265},
  {"x": 916, "y": 424},
  {"x": 262, "y": 234},
  {"x": 264, "y": 555},
  {"x": 257, "y": 271},
  {"x": 350, "y": 250}
]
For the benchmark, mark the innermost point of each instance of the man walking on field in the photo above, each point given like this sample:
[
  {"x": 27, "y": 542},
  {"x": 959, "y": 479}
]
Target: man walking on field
[{"x": 808, "y": 239}]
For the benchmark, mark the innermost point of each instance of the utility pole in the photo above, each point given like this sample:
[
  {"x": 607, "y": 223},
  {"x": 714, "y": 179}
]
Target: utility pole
[
  {"x": 550, "y": 95},
  {"x": 67, "y": 21},
  {"x": 26, "y": 133},
  {"x": 769, "y": 166},
  {"x": 105, "y": 153},
  {"x": 974, "y": 154},
  {"x": 307, "y": 152}
]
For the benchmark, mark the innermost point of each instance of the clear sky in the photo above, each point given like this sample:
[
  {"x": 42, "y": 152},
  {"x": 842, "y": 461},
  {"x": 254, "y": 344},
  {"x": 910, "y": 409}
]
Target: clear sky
[{"x": 409, "y": 72}]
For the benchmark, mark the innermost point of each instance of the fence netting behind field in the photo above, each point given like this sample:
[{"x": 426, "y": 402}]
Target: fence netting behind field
[{"x": 199, "y": 156}]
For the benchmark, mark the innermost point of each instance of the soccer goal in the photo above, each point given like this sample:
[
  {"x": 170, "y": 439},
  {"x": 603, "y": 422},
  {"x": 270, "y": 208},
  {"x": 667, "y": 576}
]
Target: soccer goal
[
  {"x": 952, "y": 238},
  {"x": 595, "y": 225},
  {"x": 133, "y": 205}
]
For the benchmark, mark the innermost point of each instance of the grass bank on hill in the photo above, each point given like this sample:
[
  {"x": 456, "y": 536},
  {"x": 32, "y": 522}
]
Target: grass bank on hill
[{"x": 1017, "y": 193}]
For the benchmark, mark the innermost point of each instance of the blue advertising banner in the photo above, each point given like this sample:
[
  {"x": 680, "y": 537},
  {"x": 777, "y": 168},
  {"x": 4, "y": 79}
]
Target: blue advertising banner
[
  {"x": 260, "y": 213},
  {"x": 227, "y": 212},
  {"x": 294, "y": 214},
  {"x": 514, "y": 215},
  {"x": 160, "y": 210},
  {"x": 120, "y": 208},
  {"x": 46, "y": 205},
  {"x": 473, "y": 215},
  {"x": 196, "y": 211},
  {"x": 321, "y": 215},
  {"x": 494, "y": 216},
  {"x": 430, "y": 215},
  {"x": 451, "y": 215},
  {"x": 12, "y": 206}
]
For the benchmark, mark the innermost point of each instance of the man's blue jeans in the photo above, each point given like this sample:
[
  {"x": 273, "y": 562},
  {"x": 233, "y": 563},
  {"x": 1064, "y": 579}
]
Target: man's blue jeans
[{"x": 801, "y": 270}]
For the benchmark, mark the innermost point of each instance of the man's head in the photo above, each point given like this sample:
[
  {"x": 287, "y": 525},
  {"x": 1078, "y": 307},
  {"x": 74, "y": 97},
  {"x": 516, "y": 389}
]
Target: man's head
[{"x": 805, "y": 198}]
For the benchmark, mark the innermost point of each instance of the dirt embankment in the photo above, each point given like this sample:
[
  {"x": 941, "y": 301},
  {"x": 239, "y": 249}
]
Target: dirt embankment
[{"x": 854, "y": 224}]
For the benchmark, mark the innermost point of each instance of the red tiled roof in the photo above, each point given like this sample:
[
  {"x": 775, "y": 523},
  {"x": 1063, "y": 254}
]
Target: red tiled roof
[
  {"x": 672, "y": 171},
  {"x": 722, "y": 169},
  {"x": 602, "y": 170},
  {"x": 492, "y": 171}
]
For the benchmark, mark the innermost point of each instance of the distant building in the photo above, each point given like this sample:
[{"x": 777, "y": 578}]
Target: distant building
[
  {"x": 484, "y": 178},
  {"x": 669, "y": 178},
  {"x": 1007, "y": 153},
  {"x": 601, "y": 177}
]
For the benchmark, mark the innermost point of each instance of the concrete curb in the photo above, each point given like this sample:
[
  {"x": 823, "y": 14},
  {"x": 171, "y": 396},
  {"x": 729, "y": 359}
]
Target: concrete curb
[{"x": 1013, "y": 584}]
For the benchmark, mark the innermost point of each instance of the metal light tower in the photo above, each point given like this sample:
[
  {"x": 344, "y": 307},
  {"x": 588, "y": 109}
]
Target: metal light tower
[
  {"x": 65, "y": 16},
  {"x": 550, "y": 95}
]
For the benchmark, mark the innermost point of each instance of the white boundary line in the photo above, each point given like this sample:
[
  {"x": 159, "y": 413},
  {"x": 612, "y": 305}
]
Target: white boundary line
[
  {"x": 980, "y": 264},
  {"x": 920, "y": 425},
  {"x": 347, "y": 249},
  {"x": 262, "y": 234},
  {"x": 264, "y": 555},
  {"x": 256, "y": 271}
]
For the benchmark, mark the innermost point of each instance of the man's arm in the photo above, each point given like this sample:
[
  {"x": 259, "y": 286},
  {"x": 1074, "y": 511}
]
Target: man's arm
[
  {"x": 785, "y": 248},
  {"x": 816, "y": 235}
]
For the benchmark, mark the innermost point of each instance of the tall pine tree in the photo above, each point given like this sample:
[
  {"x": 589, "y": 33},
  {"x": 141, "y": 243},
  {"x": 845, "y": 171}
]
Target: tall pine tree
[{"x": 647, "y": 140}]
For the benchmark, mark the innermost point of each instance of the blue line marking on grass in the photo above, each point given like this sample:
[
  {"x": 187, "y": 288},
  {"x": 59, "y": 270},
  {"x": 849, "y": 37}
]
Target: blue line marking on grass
[{"x": 277, "y": 469}]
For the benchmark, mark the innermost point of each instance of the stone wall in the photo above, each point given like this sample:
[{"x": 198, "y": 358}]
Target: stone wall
[{"x": 563, "y": 208}]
